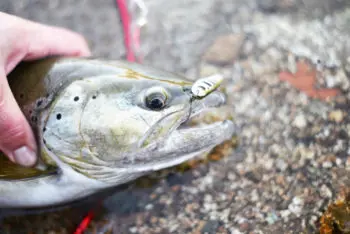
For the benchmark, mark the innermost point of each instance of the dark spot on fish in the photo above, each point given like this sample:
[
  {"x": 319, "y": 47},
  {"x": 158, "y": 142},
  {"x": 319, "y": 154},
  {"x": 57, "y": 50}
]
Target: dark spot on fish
[
  {"x": 44, "y": 141},
  {"x": 30, "y": 112},
  {"x": 47, "y": 95},
  {"x": 34, "y": 119},
  {"x": 39, "y": 103},
  {"x": 94, "y": 97},
  {"x": 44, "y": 129},
  {"x": 58, "y": 116},
  {"x": 21, "y": 95},
  {"x": 76, "y": 98}
]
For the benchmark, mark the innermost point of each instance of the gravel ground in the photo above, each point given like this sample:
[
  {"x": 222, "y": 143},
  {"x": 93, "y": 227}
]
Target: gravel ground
[{"x": 287, "y": 68}]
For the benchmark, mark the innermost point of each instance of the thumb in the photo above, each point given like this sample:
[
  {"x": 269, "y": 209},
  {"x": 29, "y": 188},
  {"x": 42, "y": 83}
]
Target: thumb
[{"x": 16, "y": 137}]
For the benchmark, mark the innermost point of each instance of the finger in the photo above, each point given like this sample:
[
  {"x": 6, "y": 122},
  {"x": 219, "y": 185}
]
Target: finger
[
  {"x": 45, "y": 40},
  {"x": 16, "y": 138}
]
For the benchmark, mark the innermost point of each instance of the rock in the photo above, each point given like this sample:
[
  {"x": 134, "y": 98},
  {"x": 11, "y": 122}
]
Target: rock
[
  {"x": 271, "y": 218},
  {"x": 325, "y": 191},
  {"x": 225, "y": 49},
  {"x": 277, "y": 5},
  {"x": 268, "y": 5},
  {"x": 253, "y": 176},
  {"x": 210, "y": 227},
  {"x": 207, "y": 70},
  {"x": 296, "y": 206},
  {"x": 300, "y": 121},
  {"x": 133, "y": 229},
  {"x": 336, "y": 116}
]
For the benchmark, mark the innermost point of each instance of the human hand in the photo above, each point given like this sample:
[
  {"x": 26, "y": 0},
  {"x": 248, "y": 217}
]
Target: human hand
[{"x": 23, "y": 40}]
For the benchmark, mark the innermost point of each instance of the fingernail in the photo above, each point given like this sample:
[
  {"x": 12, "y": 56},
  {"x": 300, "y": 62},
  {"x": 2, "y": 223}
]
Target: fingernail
[{"x": 24, "y": 156}]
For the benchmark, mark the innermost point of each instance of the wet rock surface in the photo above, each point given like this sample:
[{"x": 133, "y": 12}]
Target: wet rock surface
[{"x": 286, "y": 68}]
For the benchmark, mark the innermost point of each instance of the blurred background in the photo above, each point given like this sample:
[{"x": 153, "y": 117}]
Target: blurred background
[{"x": 286, "y": 65}]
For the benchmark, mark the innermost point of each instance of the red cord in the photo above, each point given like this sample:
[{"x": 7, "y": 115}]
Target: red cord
[
  {"x": 137, "y": 43},
  {"x": 85, "y": 223},
  {"x": 125, "y": 18},
  {"x": 130, "y": 43}
]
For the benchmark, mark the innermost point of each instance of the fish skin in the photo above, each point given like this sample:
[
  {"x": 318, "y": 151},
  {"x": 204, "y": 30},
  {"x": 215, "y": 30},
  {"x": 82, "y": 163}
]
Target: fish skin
[{"x": 93, "y": 125}]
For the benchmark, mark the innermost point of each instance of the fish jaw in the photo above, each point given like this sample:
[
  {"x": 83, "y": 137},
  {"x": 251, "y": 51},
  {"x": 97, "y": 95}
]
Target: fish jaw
[{"x": 185, "y": 142}]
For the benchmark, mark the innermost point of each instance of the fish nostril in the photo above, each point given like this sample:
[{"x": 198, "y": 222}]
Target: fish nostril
[
  {"x": 34, "y": 119},
  {"x": 39, "y": 103}
]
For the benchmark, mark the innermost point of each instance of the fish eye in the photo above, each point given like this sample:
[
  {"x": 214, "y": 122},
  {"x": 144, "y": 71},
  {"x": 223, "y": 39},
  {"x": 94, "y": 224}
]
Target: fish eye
[{"x": 156, "y": 98}]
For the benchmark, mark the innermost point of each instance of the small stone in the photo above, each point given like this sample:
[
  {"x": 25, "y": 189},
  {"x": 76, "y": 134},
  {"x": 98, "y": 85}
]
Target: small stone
[
  {"x": 225, "y": 49},
  {"x": 153, "y": 220},
  {"x": 325, "y": 191},
  {"x": 296, "y": 206},
  {"x": 189, "y": 208},
  {"x": 254, "y": 195},
  {"x": 208, "y": 70},
  {"x": 210, "y": 227},
  {"x": 234, "y": 230},
  {"x": 285, "y": 214},
  {"x": 300, "y": 121},
  {"x": 280, "y": 180},
  {"x": 244, "y": 226},
  {"x": 336, "y": 116},
  {"x": 327, "y": 164},
  {"x": 133, "y": 229},
  {"x": 268, "y": 5},
  {"x": 149, "y": 207},
  {"x": 253, "y": 176},
  {"x": 338, "y": 161},
  {"x": 281, "y": 164},
  {"x": 272, "y": 218}
]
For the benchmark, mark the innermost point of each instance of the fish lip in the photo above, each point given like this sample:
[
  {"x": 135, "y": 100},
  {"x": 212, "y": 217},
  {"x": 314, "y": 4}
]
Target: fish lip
[
  {"x": 177, "y": 149},
  {"x": 206, "y": 136},
  {"x": 184, "y": 144},
  {"x": 223, "y": 130}
]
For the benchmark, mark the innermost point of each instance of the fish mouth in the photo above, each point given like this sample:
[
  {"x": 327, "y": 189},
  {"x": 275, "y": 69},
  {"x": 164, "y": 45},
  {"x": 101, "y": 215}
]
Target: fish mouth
[
  {"x": 189, "y": 138},
  {"x": 188, "y": 141}
]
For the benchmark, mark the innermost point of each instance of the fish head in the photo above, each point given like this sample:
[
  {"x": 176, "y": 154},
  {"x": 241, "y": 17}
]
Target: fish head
[{"x": 127, "y": 127}]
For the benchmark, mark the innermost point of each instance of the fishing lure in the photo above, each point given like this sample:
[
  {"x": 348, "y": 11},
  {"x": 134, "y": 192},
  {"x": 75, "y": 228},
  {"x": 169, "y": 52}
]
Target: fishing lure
[{"x": 204, "y": 86}]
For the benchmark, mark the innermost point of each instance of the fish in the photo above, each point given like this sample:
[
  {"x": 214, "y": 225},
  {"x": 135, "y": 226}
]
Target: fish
[{"x": 100, "y": 124}]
